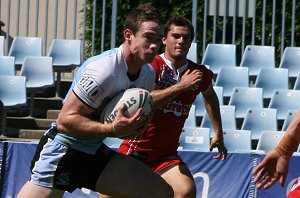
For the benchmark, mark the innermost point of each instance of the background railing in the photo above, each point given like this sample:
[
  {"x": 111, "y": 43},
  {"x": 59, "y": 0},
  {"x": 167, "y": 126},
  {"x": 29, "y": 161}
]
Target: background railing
[{"x": 99, "y": 23}]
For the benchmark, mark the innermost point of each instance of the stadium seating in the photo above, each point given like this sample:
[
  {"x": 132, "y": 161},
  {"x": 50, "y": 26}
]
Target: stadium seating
[
  {"x": 270, "y": 79},
  {"x": 1, "y": 45},
  {"x": 260, "y": 119},
  {"x": 12, "y": 94},
  {"x": 237, "y": 140},
  {"x": 290, "y": 60},
  {"x": 269, "y": 140},
  {"x": 289, "y": 116},
  {"x": 195, "y": 138},
  {"x": 191, "y": 119},
  {"x": 256, "y": 57},
  {"x": 7, "y": 65},
  {"x": 192, "y": 54},
  {"x": 231, "y": 77},
  {"x": 39, "y": 75},
  {"x": 284, "y": 100},
  {"x": 244, "y": 97},
  {"x": 297, "y": 82},
  {"x": 219, "y": 55},
  {"x": 227, "y": 115},
  {"x": 25, "y": 46},
  {"x": 66, "y": 56}
]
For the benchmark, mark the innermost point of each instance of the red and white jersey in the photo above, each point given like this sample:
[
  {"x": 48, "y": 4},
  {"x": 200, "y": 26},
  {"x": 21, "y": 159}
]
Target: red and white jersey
[
  {"x": 161, "y": 138},
  {"x": 294, "y": 189}
]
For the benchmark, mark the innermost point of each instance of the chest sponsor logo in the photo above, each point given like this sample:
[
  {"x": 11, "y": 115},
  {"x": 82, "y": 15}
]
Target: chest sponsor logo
[{"x": 177, "y": 108}]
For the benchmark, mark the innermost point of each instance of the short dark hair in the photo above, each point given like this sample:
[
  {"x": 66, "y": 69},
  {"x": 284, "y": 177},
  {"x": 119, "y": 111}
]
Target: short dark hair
[
  {"x": 140, "y": 14},
  {"x": 179, "y": 20}
]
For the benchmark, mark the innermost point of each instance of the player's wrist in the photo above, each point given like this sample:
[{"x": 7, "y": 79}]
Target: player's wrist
[
  {"x": 106, "y": 129},
  {"x": 287, "y": 146}
]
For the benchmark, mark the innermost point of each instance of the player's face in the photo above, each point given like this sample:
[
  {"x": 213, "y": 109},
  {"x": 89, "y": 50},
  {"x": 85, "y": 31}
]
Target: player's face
[
  {"x": 146, "y": 42},
  {"x": 177, "y": 42}
]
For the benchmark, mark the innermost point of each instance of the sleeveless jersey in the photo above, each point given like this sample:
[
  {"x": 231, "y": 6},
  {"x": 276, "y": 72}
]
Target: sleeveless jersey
[
  {"x": 161, "y": 138},
  {"x": 100, "y": 79}
]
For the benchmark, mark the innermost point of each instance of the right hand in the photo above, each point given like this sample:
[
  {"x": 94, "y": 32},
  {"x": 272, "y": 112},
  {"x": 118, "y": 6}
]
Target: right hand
[{"x": 126, "y": 127}]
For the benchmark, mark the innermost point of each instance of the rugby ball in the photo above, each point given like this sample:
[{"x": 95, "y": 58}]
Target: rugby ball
[{"x": 133, "y": 98}]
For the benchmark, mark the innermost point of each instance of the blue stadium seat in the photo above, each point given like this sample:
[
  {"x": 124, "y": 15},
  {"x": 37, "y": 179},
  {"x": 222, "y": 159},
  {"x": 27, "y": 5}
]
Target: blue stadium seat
[
  {"x": 290, "y": 60},
  {"x": 237, "y": 140},
  {"x": 195, "y": 138},
  {"x": 199, "y": 106},
  {"x": 7, "y": 65},
  {"x": 289, "y": 116},
  {"x": 227, "y": 115},
  {"x": 1, "y": 45},
  {"x": 25, "y": 46},
  {"x": 256, "y": 57},
  {"x": 269, "y": 140},
  {"x": 12, "y": 94},
  {"x": 192, "y": 54},
  {"x": 270, "y": 79},
  {"x": 191, "y": 120},
  {"x": 284, "y": 100},
  {"x": 39, "y": 75},
  {"x": 231, "y": 77},
  {"x": 243, "y": 98},
  {"x": 258, "y": 120},
  {"x": 297, "y": 82},
  {"x": 66, "y": 56},
  {"x": 219, "y": 55}
]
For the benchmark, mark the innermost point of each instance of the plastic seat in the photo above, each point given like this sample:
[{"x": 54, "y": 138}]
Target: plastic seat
[
  {"x": 227, "y": 115},
  {"x": 258, "y": 120},
  {"x": 112, "y": 142},
  {"x": 12, "y": 94},
  {"x": 269, "y": 140},
  {"x": 270, "y": 79},
  {"x": 1, "y": 45},
  {"x": 289, "y": 116},
  {"x": 199, "y": 106},
  {"x": 7, "y": 65},
  {"x": 256, "y": 57},
  {"x": 219, "y": 55},
  {"x": 25, "y": 46},
  {"x": 195, "y": 138},
  {"x": 297, "y": 83},
  {"x": 192, "y": 54},
  {"x": 284, "y": 100},
  {"x": 237, "y": 140},
  {"x": 39, "y": 75},
  {"x": 290, "y": 60},
  {"x": 66, "y": 56},
  {"x": 191, "y": 119},
  {"x": 244, "y": 97},
  {"x": 231, "y": 77}
]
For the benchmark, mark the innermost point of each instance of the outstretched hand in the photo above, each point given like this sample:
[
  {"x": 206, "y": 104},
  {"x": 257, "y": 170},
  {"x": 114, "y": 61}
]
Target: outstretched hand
[
  {"x": 217, "y": 142},
  {"x": 273, "y": 168}
]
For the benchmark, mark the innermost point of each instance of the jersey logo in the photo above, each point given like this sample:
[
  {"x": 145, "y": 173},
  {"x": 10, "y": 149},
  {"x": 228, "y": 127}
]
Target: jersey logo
[
  {"x": 90, "y": 87},
  {"x": 177, "y": 108}
]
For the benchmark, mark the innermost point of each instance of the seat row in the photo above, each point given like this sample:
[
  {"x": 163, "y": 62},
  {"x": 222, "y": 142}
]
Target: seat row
[
  {"x": 254, "y": 57},
  {"x": 65, "y": 54}
]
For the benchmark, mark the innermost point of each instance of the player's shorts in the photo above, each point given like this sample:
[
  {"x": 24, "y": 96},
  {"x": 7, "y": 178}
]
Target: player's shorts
[{"x": 58, "y": 166}]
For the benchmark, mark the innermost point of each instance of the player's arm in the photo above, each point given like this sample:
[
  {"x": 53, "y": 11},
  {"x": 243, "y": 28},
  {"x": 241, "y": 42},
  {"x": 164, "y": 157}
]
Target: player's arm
[
  {"x": 188, "y": 81},
  {"x": 73, "y": 120},
  {"x": 212, "y": 107}
]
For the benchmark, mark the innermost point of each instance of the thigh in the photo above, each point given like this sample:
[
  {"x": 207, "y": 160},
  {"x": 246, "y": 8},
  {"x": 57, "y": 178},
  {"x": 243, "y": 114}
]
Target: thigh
[
  {"x": 125, "y": 176},
  {"x": 181, "y": 180}
]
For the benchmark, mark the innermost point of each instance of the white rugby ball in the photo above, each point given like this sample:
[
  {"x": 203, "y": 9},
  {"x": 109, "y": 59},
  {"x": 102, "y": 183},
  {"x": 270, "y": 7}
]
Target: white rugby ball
[{"x": 133, "y": 98}]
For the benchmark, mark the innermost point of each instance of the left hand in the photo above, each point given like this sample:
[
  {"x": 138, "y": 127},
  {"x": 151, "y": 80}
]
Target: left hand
[{"x": 217, "y": 142}]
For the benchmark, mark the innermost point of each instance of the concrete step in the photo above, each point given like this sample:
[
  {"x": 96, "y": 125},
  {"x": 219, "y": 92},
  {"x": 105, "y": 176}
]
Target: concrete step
[
  {"x": 52, "y": 114},
  {"x": 28, "y": 122},
  {"x": 31, "y": 133}
]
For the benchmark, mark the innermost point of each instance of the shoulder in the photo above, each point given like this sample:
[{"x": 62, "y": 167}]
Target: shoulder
[{"x": 202, "y": 68}]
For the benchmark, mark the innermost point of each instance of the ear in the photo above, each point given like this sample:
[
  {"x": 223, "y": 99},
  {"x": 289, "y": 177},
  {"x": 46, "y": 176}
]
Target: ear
[
  {"x": 164, "y": 40},
  {"x": 128, "y": 34}
]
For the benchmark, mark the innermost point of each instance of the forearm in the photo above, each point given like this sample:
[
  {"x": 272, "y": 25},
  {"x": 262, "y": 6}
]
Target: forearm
[{"x": 294, "y": 128}]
